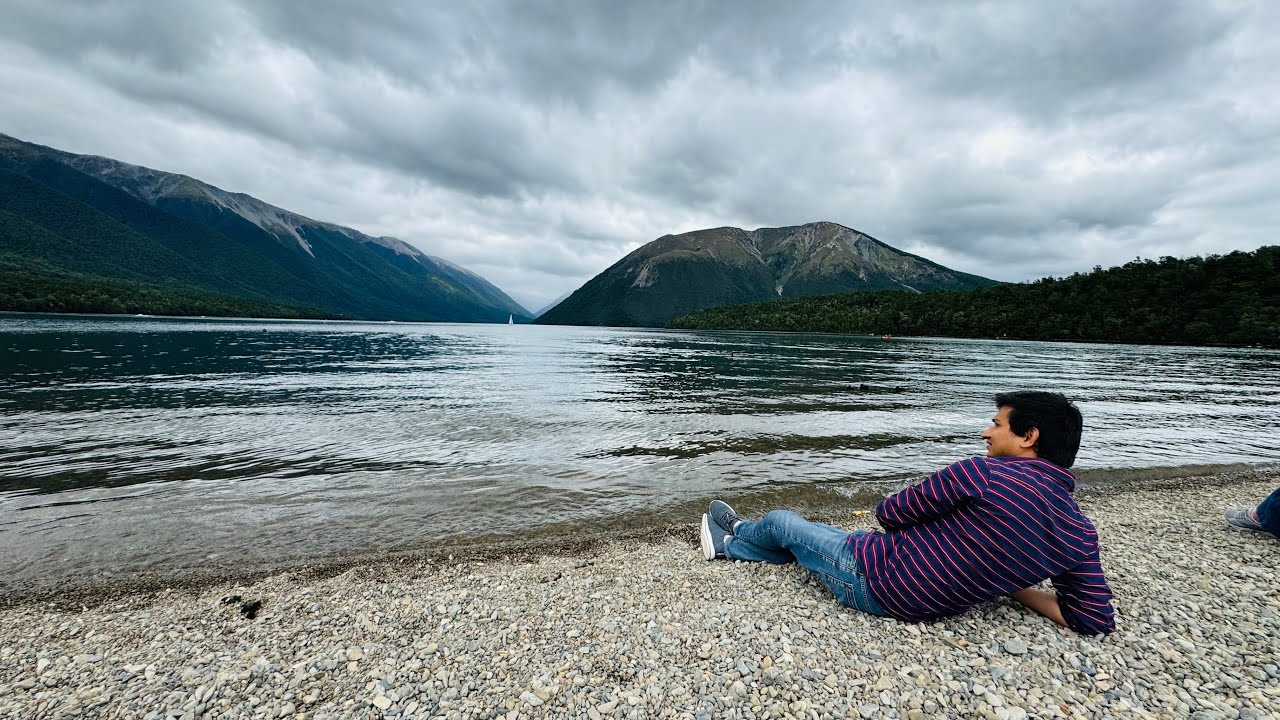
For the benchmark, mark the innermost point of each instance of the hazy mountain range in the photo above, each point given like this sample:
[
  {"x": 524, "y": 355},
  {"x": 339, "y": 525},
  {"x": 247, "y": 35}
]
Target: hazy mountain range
[
  {"x": 678, "y": 274},
  {"x": 81, "y": 229}
]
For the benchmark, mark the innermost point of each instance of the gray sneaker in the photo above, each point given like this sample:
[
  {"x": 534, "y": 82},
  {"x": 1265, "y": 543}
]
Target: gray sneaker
[
  {"x": 724, "y": 516},
  {"x": 713, "y": 537},
  {"x": 1243, "y": 518}
]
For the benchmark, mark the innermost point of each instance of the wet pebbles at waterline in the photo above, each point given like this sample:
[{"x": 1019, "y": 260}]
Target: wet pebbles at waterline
[{"x": 650, "y": 630}]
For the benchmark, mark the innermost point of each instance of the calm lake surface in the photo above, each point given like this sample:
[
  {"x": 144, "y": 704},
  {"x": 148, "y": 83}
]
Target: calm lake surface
[{"x": 136, "y": 448}]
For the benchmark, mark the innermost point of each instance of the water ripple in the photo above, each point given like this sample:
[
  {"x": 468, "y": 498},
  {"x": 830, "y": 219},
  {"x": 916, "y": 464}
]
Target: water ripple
[{"x": 141, "y": 447}]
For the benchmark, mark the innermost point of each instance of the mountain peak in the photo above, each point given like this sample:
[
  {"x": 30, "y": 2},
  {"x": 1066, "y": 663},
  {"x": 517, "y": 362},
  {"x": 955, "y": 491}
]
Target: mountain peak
[{"x": 678, "y": 274}]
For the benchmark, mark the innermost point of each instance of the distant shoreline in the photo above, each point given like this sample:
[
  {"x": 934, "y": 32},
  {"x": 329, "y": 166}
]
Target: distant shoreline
[
  {"x": 90, "y": 315},
  {"x": 148, "y": 316},
  {"x": 948, "y": 338}
]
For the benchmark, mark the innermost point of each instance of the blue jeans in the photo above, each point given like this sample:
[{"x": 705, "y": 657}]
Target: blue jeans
[
  {"x": 783, "y": 537},
  {"x": 1269, "y": 513}
]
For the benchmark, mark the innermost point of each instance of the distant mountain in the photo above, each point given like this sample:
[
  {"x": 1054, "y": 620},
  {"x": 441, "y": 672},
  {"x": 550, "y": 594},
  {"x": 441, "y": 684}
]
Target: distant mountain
[
  {"x": 87, "y": 233},
  {"x": 552, "y": 304},
  {"x": 678, "y": 274}
]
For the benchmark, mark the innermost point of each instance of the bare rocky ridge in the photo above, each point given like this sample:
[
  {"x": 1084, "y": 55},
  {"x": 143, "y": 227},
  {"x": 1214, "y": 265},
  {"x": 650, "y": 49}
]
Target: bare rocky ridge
[
  {"x": 678, "y": 274},
  {"x": 647, "y": 630}
]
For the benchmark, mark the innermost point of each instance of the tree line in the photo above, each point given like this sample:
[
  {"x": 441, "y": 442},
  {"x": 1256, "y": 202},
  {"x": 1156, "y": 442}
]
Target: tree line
[
  {"x": 71, "y": 293},
  {"x": 1231, "y": 299}
]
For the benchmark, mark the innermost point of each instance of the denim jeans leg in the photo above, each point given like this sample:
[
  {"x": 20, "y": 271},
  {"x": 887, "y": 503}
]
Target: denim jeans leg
[
  {"x": 783, "y": 536},
  {"x": 767, "y": 539},
  {"x": 1269, "y": 513}
]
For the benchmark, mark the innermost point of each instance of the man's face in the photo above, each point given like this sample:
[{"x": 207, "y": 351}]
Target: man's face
[{"x": 1002, "y": 442}]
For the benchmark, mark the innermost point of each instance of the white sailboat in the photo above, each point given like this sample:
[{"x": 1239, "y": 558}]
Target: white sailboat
[{"x": 511, "y": 319}]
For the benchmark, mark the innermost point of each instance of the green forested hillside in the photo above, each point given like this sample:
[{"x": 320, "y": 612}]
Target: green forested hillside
[
  {"x": 76, "y": 228},
  {"x": 1229, "y": 299}
]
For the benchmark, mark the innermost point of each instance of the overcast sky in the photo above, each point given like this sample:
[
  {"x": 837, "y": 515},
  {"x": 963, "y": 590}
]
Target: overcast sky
[{"x": 538, "y": 142}]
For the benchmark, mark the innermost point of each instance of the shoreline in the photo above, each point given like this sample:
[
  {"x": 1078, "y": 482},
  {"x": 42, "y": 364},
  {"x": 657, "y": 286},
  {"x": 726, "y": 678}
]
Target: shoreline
[
  {"x": 816, "y": 502},
  {"x": 643, "y": 627}
]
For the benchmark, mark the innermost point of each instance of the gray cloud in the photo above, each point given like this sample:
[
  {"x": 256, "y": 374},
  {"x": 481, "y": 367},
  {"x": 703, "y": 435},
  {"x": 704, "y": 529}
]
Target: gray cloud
[
  {"x": 537, "y": 143},
  {"x": 1054, "y": 60}
]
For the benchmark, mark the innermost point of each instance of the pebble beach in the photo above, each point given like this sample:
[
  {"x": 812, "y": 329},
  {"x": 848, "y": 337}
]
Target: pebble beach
[{"x": 645, "y": 628}]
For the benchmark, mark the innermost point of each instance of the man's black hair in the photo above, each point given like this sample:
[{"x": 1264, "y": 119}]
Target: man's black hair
[{"x": 1056, "y": 417}]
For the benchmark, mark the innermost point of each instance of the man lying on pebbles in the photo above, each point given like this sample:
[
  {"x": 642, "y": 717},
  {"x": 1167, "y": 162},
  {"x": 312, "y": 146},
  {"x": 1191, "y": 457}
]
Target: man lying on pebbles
[{"x": 971, "y": 532}]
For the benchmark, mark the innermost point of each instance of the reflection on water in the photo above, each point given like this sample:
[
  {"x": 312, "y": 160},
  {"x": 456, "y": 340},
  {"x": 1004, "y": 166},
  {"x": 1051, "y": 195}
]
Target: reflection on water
[{"x": 135, "y": 446}]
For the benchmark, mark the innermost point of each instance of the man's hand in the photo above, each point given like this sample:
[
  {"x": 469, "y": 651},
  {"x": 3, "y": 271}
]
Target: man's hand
[{"x": 1045, "y": 603}]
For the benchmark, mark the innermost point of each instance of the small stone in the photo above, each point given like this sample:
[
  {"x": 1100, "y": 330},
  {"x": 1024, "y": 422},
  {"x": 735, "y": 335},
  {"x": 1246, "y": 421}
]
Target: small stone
[
  {"x": 288, "y": 709},
  {"x": 41, "y": 664},
  {"x": 354, "y": 654},
  {"x": 1014, "y": 646},
  {"x": 382, "y": 702},
  {"x": 530, "y": 698}
]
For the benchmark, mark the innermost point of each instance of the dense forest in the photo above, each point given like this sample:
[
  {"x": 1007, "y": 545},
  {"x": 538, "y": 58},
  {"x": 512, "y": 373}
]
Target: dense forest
[
  {"x": 73, "y": 293},
  {"x": 1220, "y": 299}
]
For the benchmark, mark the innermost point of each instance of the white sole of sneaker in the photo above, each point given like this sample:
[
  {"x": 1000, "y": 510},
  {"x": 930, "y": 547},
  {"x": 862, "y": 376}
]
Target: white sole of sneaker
[{"x": 708, "y": 546}]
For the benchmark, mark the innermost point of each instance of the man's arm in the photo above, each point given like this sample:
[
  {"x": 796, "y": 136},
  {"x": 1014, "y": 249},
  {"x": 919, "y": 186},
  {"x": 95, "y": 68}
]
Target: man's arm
[
  {"x": 933, "y": 497},
  {"x": 1082, "y": 603},
  {"x": 1045, "y": 603},
  {"x": 1085, "y": 598}
]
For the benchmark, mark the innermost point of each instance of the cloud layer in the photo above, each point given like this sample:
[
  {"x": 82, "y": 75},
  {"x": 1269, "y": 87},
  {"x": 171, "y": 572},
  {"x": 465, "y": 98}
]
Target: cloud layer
[{"x": 537, "y": 143}]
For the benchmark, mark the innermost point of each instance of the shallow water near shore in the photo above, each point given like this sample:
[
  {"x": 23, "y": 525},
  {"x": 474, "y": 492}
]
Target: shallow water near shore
[{"x": 136, "y": 448}]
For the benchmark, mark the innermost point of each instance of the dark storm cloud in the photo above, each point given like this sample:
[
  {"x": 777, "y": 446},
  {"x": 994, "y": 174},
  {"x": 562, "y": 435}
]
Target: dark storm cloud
[
  {"x": 564, "y": 51},
  {"x": 539, "y": 142},
  {"x": 169, "y": 36},
  {"x": 1048, "y": 60}
]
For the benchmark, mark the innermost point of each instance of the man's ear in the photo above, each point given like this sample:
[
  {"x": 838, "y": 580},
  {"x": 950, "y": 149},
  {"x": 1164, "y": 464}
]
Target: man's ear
[{"x": 1030, "y": 439}]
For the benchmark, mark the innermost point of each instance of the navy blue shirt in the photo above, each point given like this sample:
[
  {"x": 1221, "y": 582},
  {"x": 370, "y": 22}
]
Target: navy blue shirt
[{"x": 982, "y": 528}]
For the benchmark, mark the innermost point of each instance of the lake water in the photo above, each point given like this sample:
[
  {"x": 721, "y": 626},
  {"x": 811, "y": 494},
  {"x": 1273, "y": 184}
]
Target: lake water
[{"x": 135, "y": 448}]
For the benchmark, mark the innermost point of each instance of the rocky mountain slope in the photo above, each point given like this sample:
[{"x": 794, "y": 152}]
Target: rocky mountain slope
[
  {"x": 678, "y": 274},
  {"x": 101, "y": 222}
]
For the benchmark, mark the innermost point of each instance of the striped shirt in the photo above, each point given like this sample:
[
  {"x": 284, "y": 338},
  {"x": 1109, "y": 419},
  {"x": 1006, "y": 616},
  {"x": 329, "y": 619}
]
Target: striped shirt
[{"x": 982, "y": 528}]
